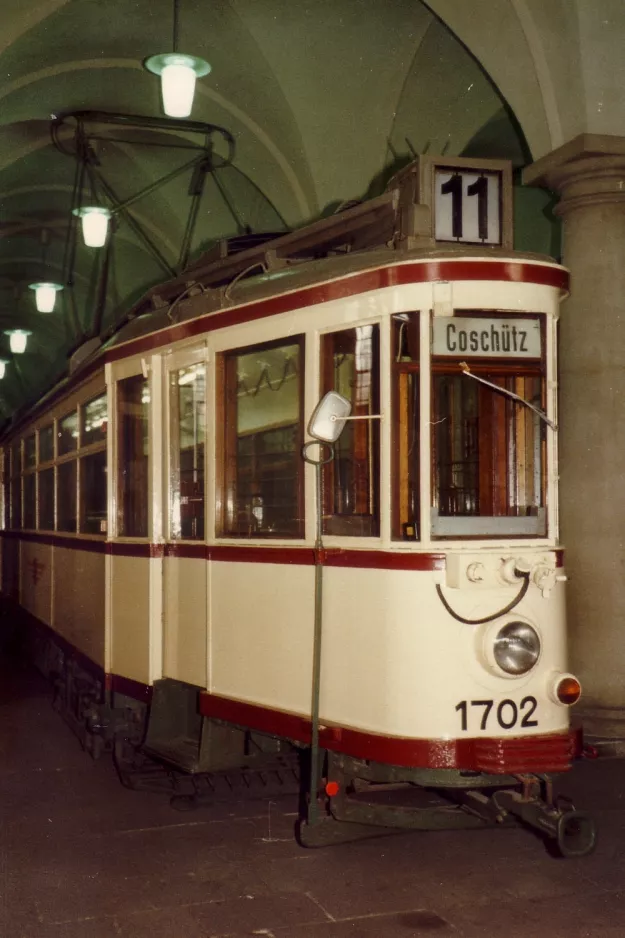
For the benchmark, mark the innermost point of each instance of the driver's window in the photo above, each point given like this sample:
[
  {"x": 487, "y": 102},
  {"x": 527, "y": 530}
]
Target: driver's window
[{"x": 488, "y": 449}]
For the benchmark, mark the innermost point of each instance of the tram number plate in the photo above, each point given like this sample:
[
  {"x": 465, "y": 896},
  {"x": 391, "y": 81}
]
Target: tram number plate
[{"x": 506, "y": 713}]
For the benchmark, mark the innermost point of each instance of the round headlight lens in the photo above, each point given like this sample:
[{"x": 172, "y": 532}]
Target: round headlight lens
[{"x": 516, "y": 648}]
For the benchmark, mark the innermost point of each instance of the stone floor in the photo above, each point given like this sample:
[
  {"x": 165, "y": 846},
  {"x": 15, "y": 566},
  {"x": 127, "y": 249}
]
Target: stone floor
[{"x": 82, "y": 857}]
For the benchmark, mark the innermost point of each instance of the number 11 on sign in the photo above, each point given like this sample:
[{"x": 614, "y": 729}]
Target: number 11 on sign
[{"x": 468, "y": 207}]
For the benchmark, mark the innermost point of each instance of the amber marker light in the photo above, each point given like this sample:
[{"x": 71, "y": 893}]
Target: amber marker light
[{"x": 568, "y": 690}]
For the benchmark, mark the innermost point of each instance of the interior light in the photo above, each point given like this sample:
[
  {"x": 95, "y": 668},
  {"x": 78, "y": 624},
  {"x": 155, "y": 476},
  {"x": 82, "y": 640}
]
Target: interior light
[
  {"x": 188, "y": 377},
  {"x": 17, "y": 340},
  {"x": 95, "y": 223},
  {"x": 45, "y": 295},
  {"x": 178, "y": 74}
]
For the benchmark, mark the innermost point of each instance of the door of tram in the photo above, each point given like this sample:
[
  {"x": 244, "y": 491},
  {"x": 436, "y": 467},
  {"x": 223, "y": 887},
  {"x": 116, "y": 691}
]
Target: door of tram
[{"x": 185, "y": 568}]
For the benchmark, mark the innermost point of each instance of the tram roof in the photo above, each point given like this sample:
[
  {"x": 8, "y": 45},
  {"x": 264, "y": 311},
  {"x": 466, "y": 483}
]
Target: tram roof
[{"x": 363, "y": 237}]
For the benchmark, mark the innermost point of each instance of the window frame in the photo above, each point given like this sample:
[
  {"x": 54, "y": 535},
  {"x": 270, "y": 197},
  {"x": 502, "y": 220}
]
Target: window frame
[
  {"x": 176, "y": 361},
  {"x": 341, "y": 520},
  {"x": 130, "y": 369},
  {"x": 50, "y": 424},
  {"x": 15, "y": 480},
  {"x": 227, "y": 438},
  {"x": 402, "y": 528},
  {"x": 46, "y": 465},
  {"x": 507, "y": 526},
  {"x": 84, "y": 452}
]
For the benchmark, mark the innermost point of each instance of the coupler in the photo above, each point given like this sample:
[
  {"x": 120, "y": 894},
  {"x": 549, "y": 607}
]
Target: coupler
[{"x": 573, "y": 832}]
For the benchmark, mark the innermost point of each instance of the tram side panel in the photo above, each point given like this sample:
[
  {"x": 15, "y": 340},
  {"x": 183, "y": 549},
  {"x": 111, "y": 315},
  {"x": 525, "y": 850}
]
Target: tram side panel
[
  {"x": 185, "y": 620},
  {"x": 261, "y": 640},
  {"x": 36, "y": 579},
  {"x": 78, "y": 600},
  {"x": 130, "y": 611},
  {"x": 11, "y": 567}
]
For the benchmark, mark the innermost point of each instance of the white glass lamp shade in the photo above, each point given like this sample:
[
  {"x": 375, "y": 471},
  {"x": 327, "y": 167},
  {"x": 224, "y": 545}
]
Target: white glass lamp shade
[
  {"x": 17, "y": 340},
  {"x": 178, "y": 74},
  {"x": 45, "y": 295},
  {"x": 178, "y": 89},
  {"x": 95, "y": 224},
  {"x": 3, "y": 367}
]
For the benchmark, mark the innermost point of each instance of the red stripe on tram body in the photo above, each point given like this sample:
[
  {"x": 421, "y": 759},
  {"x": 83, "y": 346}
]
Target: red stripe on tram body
[
  {"x": 366, "y": 559},
  {"x": 497, "y": 756},
  {"x": 344, "y": 287}
]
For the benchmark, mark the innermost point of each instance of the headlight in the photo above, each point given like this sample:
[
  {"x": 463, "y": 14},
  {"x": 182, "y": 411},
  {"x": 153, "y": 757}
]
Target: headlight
[{"x": 516, "y": 648}]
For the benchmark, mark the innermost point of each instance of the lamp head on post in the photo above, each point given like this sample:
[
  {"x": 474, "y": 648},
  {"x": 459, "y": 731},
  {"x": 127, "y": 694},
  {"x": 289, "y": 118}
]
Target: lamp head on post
[
  {"x": 95, "y": 224},
  {"x": 18, "y": 339},
  {"x": 45, "y": 295}
]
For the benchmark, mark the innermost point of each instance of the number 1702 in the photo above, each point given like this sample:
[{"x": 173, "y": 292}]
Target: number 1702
[{"x": 506, "y": 713}]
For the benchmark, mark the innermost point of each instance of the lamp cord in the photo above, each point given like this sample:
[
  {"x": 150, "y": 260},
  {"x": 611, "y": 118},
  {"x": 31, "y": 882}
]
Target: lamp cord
[
  {"x": 175, "y": 28},
  {"x": 500, "y": 612}
]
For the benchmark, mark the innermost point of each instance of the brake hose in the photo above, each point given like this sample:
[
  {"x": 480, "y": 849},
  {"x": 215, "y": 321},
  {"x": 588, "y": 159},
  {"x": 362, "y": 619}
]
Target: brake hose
[{"x": 501, "y": 612}]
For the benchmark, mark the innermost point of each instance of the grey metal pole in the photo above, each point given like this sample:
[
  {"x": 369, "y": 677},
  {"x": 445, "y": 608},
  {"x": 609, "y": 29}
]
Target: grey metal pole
[
  {"x": 316, "y": 676},
  {"x": 318, "y": 629}
]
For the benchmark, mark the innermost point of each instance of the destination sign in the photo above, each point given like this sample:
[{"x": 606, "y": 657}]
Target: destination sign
[{"x": 486, "y": 338}]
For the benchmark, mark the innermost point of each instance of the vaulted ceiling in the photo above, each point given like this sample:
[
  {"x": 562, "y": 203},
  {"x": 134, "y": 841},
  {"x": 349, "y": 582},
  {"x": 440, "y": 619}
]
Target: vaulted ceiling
[{"x": 320, "y": 101}]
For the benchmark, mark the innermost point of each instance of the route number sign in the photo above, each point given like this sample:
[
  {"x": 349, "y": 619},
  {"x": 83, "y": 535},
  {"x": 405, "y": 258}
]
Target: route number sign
[
  {"x": 467, "y": 207},
  {"x": 470, "y": 200}
]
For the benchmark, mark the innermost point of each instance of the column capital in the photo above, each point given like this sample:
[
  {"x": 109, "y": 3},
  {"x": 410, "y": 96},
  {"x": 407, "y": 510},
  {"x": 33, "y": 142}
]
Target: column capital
[{"x": 588, "y": 170}]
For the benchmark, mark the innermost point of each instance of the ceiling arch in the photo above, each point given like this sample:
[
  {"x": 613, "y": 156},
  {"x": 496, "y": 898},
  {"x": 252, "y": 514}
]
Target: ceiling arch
[{"x": 323, "y": 100}]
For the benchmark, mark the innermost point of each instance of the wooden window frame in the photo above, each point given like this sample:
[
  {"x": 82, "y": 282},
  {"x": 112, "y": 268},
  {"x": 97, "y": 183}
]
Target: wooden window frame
[
  {"x": 227, "y": 439},
  {"x": 15, "y": 479},
  {"x": 121, "y": 490},
  {"x": 85, "y": 451},
  {"x": 367, "y": 434},
  {"x": 179, "y": 361},
  {"x": 496, "y": 490},
  {"x": 402, "y": 527}
]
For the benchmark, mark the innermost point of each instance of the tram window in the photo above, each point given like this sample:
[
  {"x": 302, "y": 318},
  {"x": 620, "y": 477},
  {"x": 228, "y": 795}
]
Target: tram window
[
  {"x": 93, "y": 493},
  {"x": 263, "y": 468},
  {"x": 133, "y": 398},
  {"x": 405, "y": 445},
  {"x": 66, "y": 497},
  {"x": 30, "y": 451},
  {"x": 46, "y": 500},
  {"x": 46, "y": 444},
  {"x": 350, "y": 365},
  {"x": 16, "y": 459},
  {"x": 16, "y": 485},
  {"x": 488, "y": 454},
  {"x": 16, "y": 503},
  {"x": 6, "y": 491},
  {"x": 30, "y": 503},
  {"x": 94, "y": 421},
  {"x": 68, "y": 434},
  {"x": 187, "y": 403}
]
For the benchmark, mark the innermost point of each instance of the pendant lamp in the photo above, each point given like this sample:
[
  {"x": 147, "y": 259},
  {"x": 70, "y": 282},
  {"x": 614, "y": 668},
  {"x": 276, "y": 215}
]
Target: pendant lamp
[{"x": 178, "y": 73}]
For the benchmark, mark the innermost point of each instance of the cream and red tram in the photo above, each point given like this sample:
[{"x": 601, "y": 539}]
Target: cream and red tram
[{"x": 393, "y": 602}]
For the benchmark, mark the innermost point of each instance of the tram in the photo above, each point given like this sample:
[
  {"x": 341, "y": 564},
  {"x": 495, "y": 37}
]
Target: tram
[{"x": 305, "y": 500}]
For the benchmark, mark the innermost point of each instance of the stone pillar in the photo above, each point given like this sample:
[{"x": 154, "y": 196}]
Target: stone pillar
[{"x": 589, "y": 175}]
